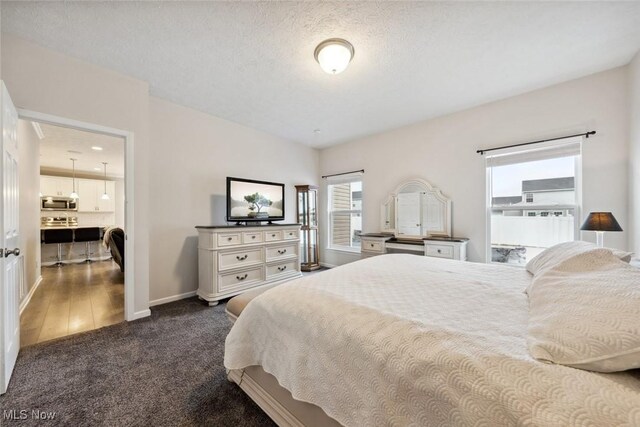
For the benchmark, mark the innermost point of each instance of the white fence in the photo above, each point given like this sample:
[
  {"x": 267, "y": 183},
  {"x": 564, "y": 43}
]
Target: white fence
[{"x": 534, "y": 231}]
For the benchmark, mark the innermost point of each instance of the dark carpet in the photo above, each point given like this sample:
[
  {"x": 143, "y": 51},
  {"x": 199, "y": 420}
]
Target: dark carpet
[{"x": 165, "y": 370}]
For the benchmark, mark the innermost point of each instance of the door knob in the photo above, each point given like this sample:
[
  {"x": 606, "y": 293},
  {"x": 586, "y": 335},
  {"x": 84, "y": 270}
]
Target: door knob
[{"x": 8, "y": 252}]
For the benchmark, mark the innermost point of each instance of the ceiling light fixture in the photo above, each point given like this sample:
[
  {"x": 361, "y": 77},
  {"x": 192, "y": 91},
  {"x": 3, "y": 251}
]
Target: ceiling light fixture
[
  {"x": 105, "y": 196},
  {"x": 95, "y": 147},
  {"x": 73, "y": 194},
  {"x": 334, "y": 55}
]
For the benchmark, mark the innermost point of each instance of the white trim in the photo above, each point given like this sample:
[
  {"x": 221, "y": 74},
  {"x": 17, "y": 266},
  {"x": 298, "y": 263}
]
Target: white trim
[
  {"x": 326, "y": 265},
  {"x": 27, "y": 299},
  {"x": 140, "y": 314},
  {"x": 274, "y": 409},
  {"x": 345, "y": 250},
  {"x": 129, "y": 161},
  {"x": 172, "y": 298}
]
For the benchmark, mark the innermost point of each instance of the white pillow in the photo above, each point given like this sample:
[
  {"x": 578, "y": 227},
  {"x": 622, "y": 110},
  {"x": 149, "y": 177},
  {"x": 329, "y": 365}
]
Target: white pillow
[
  {"x": 585, "y": 313},
  {"x": 556, "y": 254}
]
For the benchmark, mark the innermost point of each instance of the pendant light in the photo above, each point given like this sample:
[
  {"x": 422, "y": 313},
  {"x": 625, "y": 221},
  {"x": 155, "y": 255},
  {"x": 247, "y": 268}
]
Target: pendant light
[
  {"x": 105, "y": 196},
  {"x": 73, "y": 194}
]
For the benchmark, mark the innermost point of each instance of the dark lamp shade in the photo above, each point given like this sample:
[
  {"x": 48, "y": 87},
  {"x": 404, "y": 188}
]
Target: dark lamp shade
[{"x": 601, "y": 221}]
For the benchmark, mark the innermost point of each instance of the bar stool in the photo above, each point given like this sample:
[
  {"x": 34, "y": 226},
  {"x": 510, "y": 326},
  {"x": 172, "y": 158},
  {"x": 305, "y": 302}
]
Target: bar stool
[
  {"x": 87, "y": 235},
  {"x": 58, "y": 237}
]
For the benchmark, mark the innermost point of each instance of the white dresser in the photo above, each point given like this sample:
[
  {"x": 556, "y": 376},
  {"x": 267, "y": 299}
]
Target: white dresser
[
  {"x": 234, "y": 259},
  {"x": 450, "y": 248}
]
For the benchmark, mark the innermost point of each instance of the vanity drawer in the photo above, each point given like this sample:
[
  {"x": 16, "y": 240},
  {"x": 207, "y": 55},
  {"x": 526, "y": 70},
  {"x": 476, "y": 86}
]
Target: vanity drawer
[
  {"x": 236, "y": 259},
  {"x": 440, "y": 251},
  {"x": 276, "y": 252},
  {"x": 282, "y": 268},
  {"x": 370, "y": 246},
  {"x": 290, "y": 234},
  {"x": 229, "y": 239},
  {"x": 272, "y": 236},
  {"x": 252, "y": 237},
  {"x": 235, "y": 281}
]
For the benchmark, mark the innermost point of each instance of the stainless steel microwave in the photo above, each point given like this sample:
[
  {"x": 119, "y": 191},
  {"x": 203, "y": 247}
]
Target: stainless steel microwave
[{"x": 49, "y": 203}]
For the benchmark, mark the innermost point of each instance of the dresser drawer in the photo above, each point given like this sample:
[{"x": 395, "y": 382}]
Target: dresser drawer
[
  {"x": 278, "y": 252},
  {"x": 237, "y": 259},
  {"x": 229, "y": 239},
  {"x": 370, "y": 246},
  {"x": 252, "y": 237},
  {"x": 282, "y": 268},
  {"x": 273, "y": 236},
  {"x": 228, "y": 282},
  {"x": 290, "y": 234},
  {"x": 440, "y": 251}
]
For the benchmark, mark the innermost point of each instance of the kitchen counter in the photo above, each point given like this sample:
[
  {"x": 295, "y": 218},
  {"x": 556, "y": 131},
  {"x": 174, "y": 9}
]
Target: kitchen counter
[{"x": 73, "y": 227}]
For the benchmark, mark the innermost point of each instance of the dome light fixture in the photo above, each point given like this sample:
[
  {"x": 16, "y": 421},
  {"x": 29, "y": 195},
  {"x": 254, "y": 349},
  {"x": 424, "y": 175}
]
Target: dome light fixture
[{"x": 334, "y": 55}]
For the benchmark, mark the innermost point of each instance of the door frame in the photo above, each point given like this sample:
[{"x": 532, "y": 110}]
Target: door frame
[{"x": 129, "y": 211}]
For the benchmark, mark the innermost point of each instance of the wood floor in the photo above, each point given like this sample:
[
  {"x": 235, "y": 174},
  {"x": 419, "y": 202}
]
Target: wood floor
[{"x": 72, "y": 299}]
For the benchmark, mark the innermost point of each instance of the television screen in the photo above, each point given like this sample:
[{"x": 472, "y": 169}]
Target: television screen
[{"x": 249, "y": 200}]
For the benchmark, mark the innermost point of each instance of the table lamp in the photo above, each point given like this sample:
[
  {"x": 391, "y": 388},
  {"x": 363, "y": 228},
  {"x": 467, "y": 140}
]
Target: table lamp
[{"x": 600, "y": 222}]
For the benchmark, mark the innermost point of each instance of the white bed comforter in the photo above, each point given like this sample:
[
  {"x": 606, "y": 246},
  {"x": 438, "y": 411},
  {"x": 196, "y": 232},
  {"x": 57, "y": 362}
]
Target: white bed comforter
[{"x": 409, "y": 340}]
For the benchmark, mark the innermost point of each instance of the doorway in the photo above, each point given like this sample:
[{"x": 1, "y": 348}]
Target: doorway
[
  {"x": 80, "y": 228},
  {"x": 119, "y": 179}
]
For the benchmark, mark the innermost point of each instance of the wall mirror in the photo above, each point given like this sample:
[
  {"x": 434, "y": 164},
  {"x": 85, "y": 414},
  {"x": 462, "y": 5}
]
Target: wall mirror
[{"x": 415, "y": 210}]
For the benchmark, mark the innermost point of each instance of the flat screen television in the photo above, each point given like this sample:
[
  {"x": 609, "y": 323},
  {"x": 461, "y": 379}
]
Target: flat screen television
[{"x": 250, "y": 200}]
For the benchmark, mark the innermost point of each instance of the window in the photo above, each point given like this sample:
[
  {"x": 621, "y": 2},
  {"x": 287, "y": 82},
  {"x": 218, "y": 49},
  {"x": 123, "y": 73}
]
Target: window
[
  {"x": 520, "y": 231},
  {"x": 345, "y": 214}
]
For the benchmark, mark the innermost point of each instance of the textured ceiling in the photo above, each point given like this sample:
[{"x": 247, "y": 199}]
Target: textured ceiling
[
  {"x": 252, "y": 63},
  {"x": 61, "y": 144}
]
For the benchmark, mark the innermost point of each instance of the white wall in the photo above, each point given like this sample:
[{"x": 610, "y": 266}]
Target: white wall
[
  {"x": 634, "y": 154},
  {"x": 45, "y": 81},
  {"x": 29, "y": 178},
  {"x": 193, "y": 153},
  {"x": 443, "y": 151}
]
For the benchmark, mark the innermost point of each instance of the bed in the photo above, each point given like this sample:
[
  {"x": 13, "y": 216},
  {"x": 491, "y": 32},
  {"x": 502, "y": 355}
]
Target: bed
[{"x": 410, "y": 340}]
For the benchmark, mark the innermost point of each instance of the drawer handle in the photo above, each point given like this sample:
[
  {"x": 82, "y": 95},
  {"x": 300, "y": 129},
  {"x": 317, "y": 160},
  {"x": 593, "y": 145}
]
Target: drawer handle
[
  {"x": 284, "y": 251},
  {"x": 290, "y": 234},
  {"x": 273, "y": 235},
  {"x": 372, "y": 245},
  {"x": 229, "y": 238},
  {"x": 253, "y": 237},
  {"x": 241, "y": 278},
  {"x": 242, "y": 258},
  {"x": 439, "y": 251},
  {"x": 283, "y": 268}
]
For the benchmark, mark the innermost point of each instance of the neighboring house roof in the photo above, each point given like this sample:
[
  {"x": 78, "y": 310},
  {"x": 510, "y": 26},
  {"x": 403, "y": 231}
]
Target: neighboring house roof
[
  {"x": 505, "y": 200},
  {"x": 549, "y": 184}
]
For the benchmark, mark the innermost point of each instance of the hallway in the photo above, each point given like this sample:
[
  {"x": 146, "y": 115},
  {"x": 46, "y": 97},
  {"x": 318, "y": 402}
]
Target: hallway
[{"x": 72, "y": 299}]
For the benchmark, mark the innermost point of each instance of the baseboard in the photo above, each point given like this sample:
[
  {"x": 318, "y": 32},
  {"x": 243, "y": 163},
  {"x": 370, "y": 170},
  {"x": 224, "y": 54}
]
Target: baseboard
[
  {"x": 27, "y": 299},
  {"x": 324, "y": 264},
  {"x": 172, "y": 298},
  {"x": 140, "y": 314}
]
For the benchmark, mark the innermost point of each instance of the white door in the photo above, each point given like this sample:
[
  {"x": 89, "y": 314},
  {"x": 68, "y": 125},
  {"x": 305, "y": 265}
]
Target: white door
[
  {"x": 10, "y": 276},
  {"x": 409, "y": 214}
]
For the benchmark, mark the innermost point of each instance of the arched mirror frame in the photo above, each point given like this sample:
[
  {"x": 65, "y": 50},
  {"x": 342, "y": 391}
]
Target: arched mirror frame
[{"x": 436, "y": 202}]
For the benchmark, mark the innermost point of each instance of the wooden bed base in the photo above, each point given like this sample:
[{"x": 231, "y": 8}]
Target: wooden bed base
[{"x": 278, "y": 413}]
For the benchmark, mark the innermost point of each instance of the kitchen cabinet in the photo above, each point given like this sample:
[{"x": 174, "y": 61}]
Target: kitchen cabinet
[
  {"x": 90, "y": 192},
  {"x": 57, "y": 186}
]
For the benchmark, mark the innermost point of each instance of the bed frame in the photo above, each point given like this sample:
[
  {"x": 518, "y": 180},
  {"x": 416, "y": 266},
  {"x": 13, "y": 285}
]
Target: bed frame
[{"x": 264, "y": 389}]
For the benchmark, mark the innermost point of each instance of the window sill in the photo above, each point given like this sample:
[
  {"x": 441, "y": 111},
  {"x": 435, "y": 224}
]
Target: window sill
[{"x": 346, "y": 250}]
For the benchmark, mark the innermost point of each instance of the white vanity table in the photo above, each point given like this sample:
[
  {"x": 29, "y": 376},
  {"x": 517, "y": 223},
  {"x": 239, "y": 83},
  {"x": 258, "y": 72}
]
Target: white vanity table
[{"x": 415, "y": 218}]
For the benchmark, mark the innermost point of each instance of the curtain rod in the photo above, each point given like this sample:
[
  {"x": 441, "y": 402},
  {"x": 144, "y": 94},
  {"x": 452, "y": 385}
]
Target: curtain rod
[
  {"x": 343, "y": 173},
  {"x": 586, "y": 134}
]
